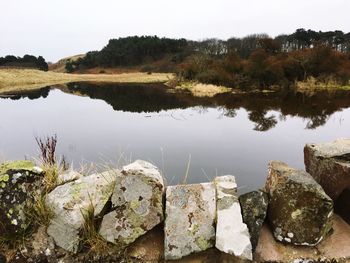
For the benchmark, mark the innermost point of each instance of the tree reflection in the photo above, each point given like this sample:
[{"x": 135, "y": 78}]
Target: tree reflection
[{"x": 262, "y": 122}]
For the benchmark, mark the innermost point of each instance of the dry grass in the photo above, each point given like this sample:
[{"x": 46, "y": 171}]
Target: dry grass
[
  {"x": 202, "y": 90},
  {"x": 12, "y": 80},
  {"x": 313, "y": 85},
  {"x": 90, "y": 236}
]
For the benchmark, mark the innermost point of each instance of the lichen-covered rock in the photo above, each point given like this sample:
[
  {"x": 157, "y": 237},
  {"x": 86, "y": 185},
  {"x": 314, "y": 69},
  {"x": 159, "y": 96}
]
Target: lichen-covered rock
[
  {"x": 329, "y": 164},
  {"x": 68, "y": 202},
  {"x": 232, "y": 235},
  {"x": 254, "y": 208},
  {"x": 299, "y": 210},
  {"x": 190, "y": 219},
  {"x": 137, "y": 201},
  {"x": 20, "y": 181}
]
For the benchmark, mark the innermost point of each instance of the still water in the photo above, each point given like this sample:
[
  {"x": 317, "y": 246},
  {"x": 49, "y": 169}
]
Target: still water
[{"x": 228, "y": 134}]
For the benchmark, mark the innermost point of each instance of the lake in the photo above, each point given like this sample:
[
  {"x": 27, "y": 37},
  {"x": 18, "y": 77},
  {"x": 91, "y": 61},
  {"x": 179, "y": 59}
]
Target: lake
[{"x": 228, "y": 134}]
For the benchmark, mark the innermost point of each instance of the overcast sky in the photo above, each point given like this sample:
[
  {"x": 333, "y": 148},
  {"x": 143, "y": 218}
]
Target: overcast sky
[{"x": 60, "y": 28}]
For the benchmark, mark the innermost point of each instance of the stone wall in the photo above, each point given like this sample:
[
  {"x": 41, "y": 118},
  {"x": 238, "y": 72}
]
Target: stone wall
[{"x": 129, "y": 215}]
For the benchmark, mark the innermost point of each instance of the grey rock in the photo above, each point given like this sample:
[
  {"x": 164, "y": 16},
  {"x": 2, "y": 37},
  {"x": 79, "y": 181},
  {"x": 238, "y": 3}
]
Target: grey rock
[
  {"x": 68, "y": 202},
  {"x": 232, "y": 235},
  {"x": 329, "y": 164},
  {"x": 20, "y": 182},
  {"x": 299, "y": 210},
  {"x": 68, "y": 176},
  {"x": 137, "y": 201},
  {"x": 254, "y": 208},
  {"x": 190, "y": 219}
]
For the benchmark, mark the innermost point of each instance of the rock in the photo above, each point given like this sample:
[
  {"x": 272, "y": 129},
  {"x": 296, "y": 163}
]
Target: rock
[
  {"x": 138, "y": 203},
  {"x": 20, "y": 181},
  {"x": 69, "y": 176},
  {"x": 2, "y": 258},
  {"x": 342, "y": 205},
  {"x": 299, "y": 210},
  {"x": 42, "y": 244},
  {"x": 68, "y": 202},
  {"x": 329, "y": 164},
  {"x": 190, "y": 219},
  {"x": 147, "y": 248},
  {"x": 254, "y": 209},
  {"x": 335, "y": 247},
  {"x": 232, "y": 235},
  {"x": 269, "y": 250}
]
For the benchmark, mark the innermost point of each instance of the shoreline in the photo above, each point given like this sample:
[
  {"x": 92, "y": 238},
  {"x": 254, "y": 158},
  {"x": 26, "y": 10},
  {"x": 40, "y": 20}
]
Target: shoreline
[
  {"x": 20, "y": 80},
  {"x": 12, "y": 80}
]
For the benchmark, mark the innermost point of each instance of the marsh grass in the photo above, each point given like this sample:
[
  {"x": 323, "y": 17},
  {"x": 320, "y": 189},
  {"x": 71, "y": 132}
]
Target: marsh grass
[{"x": 16, "y": 80}]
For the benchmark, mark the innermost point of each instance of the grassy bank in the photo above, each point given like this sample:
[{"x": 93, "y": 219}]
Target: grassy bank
[
  {"x": 12, "y": 80},
  {"x": 313, "y": 85},
  {"x": 202, "y": 90}
]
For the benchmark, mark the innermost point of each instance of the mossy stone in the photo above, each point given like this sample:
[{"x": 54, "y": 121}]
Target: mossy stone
[{"x": 19, "y": 182}]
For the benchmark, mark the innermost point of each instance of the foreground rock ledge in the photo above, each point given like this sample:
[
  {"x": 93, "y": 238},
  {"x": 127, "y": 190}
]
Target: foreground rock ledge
[
  {"x": 232, "y": 235},
  {"x": 299, "y": 211},
  {"x": 190, "y": 219},
  {"x": 329, "y": 164},
  {"x": 69, "y": 201},
  {"x": 138, "y": 203}
]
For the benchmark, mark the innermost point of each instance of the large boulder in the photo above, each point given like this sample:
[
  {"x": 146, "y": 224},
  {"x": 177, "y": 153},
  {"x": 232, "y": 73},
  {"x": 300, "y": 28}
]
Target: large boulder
[
  {"x": 335, "y": 247},
  {"x": 20, "y": 182},
  {"x": 329, "y": 164},
  {"x": 137, "y": 201},
  {"x": 254, "y": 208},
  {"x": 232, "y": 235},
  {"x": 190, "y": 219},
  {"x": 70, "y": 201},
  {"x": 299, "y": 210}
]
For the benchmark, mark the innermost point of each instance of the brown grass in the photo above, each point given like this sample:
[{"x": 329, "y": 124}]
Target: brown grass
[
  {"x": 202, "y": 90},
  {"x": 12, "y": 80}
]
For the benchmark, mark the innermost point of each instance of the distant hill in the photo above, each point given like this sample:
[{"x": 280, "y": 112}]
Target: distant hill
[{"x": 60, "y": 66}]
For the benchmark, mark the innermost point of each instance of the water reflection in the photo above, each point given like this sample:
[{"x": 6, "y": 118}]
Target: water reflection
[{"x": 315, "y": 108}]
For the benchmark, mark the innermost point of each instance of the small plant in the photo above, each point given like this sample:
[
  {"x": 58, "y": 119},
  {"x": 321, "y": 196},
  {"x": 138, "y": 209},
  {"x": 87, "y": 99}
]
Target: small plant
[{"x": 47, "y": 148}]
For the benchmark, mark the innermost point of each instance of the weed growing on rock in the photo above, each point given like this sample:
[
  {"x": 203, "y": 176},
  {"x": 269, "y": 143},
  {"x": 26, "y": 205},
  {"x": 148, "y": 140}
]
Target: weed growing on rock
[{"x": 90, "y": 236}]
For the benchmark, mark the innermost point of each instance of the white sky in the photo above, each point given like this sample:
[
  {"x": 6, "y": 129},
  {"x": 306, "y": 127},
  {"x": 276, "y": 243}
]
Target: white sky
[{"x": 60, "y": 28}]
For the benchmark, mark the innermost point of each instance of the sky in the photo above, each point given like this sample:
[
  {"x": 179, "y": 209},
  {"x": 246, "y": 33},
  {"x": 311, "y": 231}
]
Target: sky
[{"x": 61, "y": 28}]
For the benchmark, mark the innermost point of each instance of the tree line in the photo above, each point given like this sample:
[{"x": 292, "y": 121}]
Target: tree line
[
  {"x": 254, "y": 61},
  {"x": 27, "y": 61},
  {"x": 130, "y": 51}
]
